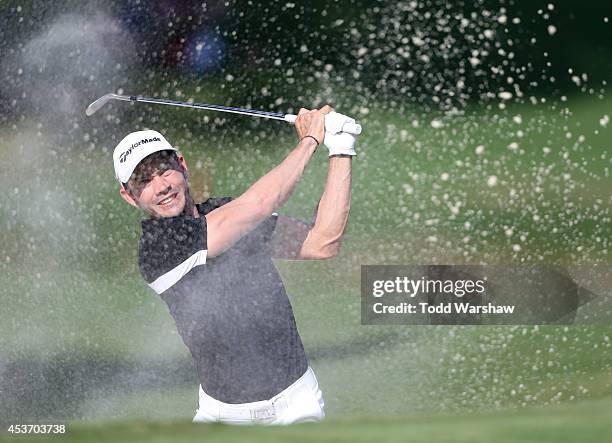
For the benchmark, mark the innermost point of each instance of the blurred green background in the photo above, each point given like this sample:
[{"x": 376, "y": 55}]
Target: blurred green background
[{"x": 486, "y": 140}]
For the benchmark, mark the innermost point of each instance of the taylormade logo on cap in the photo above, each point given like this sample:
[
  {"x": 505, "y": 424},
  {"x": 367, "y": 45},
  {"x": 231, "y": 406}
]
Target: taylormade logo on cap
[
  {"x": 134, "y": 148},
  {"x": 123, "y": 155}
]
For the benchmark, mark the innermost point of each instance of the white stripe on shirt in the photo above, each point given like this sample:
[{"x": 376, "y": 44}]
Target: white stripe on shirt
[{"x": 171, "y": 277}]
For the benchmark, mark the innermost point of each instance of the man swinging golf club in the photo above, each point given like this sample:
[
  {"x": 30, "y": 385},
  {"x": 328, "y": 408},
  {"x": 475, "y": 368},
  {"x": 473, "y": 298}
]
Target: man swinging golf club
[{"x": 211, "y": 262}]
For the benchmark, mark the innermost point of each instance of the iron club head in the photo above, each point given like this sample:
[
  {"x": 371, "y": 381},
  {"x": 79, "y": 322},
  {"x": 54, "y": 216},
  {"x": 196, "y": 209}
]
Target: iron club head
[{"x": 99, "y": 103}]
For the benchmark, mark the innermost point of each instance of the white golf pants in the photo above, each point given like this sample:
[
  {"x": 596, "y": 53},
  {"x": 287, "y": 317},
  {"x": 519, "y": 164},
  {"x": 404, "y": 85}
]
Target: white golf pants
[{"x": 300, "y": 402}]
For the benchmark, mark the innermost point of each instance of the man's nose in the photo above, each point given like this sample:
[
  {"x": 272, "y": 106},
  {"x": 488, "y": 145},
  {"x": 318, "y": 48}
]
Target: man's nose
[{"x": 160, "y": 185}]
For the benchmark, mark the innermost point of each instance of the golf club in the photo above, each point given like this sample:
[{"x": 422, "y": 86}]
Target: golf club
[{"x": 351, "y": 128}]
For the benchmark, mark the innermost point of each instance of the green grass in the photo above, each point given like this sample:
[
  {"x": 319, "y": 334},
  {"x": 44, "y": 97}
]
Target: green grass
[{"x": 577, "y": 422}]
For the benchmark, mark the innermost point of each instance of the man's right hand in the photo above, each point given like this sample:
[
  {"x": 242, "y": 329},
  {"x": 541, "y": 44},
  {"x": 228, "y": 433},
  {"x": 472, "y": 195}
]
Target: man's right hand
[{"x": 312, "y": 123}]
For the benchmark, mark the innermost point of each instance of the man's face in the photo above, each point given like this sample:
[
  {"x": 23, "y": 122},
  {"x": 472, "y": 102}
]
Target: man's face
[{"x": 159, "y": 186}]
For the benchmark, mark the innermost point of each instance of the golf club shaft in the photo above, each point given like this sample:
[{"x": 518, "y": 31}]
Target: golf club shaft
[
  {"x": 243, "y": 111},
  {"x": 351, "y": 128}
]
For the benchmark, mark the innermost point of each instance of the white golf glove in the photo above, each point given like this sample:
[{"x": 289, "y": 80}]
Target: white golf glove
[{"x": 338, "y": 142}]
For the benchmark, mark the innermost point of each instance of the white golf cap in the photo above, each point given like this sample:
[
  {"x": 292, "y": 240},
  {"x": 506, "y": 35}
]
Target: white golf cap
[{"x": 134, "y": 148}]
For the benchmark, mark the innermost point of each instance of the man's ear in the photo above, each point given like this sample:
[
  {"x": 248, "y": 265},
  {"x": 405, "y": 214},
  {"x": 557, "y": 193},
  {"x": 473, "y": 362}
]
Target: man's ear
[
  {"x": 127, "y": 197},
  {"x": 183, "y": 165}
]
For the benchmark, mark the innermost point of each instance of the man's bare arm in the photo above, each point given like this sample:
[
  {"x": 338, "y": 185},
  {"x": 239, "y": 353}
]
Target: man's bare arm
[
  {"x": 294, "y": 239},
  {"x": 227, "y": 224}
]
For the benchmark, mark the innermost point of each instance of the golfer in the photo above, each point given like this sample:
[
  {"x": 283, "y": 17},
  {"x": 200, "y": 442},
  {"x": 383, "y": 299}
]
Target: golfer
[{"x": 211, "y": 262}]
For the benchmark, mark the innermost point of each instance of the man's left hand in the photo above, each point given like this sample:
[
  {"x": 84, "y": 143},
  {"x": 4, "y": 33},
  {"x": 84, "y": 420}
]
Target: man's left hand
[{"x": 338, "y": 142}]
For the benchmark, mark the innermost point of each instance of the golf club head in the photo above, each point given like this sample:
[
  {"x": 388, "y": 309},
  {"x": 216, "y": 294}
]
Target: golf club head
[{"x": 99, "y": 103}]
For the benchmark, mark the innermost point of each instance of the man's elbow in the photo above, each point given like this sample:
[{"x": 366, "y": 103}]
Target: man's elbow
[
  {"x": 326, "y": 252},
  {"x": 331, "y": 254}
]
